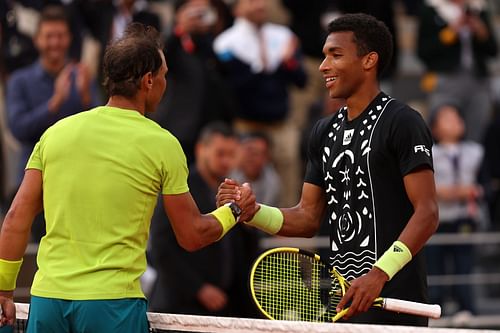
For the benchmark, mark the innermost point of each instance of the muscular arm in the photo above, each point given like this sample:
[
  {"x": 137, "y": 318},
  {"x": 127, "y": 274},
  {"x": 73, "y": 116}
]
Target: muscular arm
[
  {"x": 16, "y": 230},
  {"x": 302, "y": 220},
  {"x": 421, "y": 191},
  {"x": 305, "y": 218},
  {"x": 192, "y": 229},
  {"x": 17, "y": 223}
]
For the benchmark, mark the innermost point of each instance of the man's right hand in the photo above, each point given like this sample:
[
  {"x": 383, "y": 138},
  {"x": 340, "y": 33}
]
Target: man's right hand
[
  {"x": 8, "y": 313},
  {"x": 231, "y": 191}
]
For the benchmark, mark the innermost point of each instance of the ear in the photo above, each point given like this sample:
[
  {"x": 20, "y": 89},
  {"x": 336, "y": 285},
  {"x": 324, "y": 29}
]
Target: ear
[
  {"x": 370, "y": 61},
  {"x": 147, "y": 81}
]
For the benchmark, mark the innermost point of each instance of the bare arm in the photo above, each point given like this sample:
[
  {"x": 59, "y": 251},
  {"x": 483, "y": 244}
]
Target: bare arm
[
  {"x": 192, "y": 229},
  {"x": 16, "y": 231},
  {"x": 421, "y": 191},
  {"x": 304, "y": 220},
  {"x": 17, "y": 223}
]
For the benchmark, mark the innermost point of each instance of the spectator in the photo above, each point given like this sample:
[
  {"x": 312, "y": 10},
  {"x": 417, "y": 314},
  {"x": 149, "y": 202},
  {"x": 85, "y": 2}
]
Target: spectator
[
  {"x": 261, "y": 60},
  {"x": 49, "y": 89},
  {"x": 255, "y": 167},
  {"x": 197, "y": 92},
  {"x": 211, "y": 281},
  {"x": 455, "y": 40},
  {"x": 456, "y": 166}
]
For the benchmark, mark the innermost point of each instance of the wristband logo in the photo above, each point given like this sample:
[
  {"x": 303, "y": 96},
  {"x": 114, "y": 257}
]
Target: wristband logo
[{"x": 397, "y": 249}]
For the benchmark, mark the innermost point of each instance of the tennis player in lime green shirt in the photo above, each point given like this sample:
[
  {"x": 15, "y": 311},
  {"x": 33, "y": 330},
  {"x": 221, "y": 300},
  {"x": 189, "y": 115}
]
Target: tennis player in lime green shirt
[{"x": 97, "y": 175}]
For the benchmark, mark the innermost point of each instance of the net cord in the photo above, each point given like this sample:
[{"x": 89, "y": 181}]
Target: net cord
[{"x": 192, "y": 323}]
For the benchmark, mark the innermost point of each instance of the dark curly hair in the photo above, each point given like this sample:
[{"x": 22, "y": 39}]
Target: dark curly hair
[
  {"x": 129, "y": 58},
  {"x": 370, "y": 35}
]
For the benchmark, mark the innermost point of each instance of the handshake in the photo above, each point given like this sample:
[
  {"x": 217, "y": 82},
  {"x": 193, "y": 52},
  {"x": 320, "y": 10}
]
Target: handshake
[
  {"x": 230, "y": 191},
  {"x": 266, "y": 218}
]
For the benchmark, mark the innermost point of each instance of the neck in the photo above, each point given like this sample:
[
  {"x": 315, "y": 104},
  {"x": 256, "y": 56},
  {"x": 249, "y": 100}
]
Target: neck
[
  {"x": 127, "y": 103},
  {"x": 358, "y": 102},
  {"x": 52, "y": 67}
]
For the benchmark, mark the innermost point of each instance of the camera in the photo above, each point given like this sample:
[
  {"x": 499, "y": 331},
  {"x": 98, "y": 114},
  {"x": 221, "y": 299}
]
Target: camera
[{"x": 206, "y": 15}]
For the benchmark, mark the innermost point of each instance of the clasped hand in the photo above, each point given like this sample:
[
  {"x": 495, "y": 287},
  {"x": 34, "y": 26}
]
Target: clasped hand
[{"x": 231, "y": 191}]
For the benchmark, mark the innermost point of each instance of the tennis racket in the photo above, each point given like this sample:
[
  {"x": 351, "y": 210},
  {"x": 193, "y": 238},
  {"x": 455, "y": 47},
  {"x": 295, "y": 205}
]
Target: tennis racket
[{"x": 292, "y": 284}]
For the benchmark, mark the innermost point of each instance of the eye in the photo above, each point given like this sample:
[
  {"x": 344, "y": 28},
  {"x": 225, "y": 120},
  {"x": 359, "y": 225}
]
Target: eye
[{"x": 337, "y": 55}]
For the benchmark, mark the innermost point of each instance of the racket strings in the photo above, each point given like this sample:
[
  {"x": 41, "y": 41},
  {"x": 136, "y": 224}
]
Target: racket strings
[{"x": 292, "y": 286}]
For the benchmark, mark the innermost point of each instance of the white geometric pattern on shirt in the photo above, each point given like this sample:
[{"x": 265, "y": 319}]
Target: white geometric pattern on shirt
[{"x": 351, "y": 166}]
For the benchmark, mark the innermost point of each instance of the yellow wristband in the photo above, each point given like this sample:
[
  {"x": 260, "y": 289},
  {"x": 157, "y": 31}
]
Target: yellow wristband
[
  {"x": 395, "y": 258},
  {"x": 8, "y": 273},
  {"x": 225, "y": 217},
  {"x": 268, "y": 219}
]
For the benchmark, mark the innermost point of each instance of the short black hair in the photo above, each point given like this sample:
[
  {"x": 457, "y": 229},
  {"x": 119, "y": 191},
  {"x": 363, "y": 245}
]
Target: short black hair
[
  {"x": 215, "y": 128},
  {"x": 129, "y": 58},
  {"x": 370, "y": 35}
]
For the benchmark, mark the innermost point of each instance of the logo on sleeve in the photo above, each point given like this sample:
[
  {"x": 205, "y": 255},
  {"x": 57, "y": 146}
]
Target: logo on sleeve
[
  {"x": 348, "y": 134},
  {"x": 422, "y": 149}
]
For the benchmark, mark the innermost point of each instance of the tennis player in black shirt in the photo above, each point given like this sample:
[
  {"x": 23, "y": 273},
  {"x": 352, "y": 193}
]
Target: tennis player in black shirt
[{"x": 370, "y": 171}]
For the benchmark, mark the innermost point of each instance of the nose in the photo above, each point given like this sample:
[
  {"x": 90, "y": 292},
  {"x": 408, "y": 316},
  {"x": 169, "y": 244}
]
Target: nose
[{"x": 323, "y": 67}]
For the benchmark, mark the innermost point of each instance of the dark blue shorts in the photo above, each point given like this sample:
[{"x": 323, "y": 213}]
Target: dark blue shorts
[{"x": 52, "y": 315}]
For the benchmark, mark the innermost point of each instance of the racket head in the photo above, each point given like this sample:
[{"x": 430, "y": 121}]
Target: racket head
[{"x": 288, "y": 283}]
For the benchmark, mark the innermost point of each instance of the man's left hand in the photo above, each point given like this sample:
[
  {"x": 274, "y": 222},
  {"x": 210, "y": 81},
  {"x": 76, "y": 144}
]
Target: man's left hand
[{"x": 363, "y": 291}]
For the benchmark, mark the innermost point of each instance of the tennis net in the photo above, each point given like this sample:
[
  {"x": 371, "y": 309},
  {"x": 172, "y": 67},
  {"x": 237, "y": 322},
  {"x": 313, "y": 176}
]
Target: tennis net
[{"x": 162, "y": 322}]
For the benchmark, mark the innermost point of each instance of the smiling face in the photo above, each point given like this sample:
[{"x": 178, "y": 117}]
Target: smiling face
[
  {"x": 342, "y": 67},
  {"x": 52, "y": 41}
]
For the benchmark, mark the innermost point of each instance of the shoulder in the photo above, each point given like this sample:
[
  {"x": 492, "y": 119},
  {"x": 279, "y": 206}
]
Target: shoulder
[
  {"x": 277, "y": 29},
  {"x": 321, "y": 130},
  {"x": 160, "y": 133},
  {"x": 403, "y": 114},
  {"x": 473, "y": 149},
  {"x": 226, "y": 39},
  {"x": 70, "y": 121},
  {"x": 23, "y": 74},
  {"x": 326, "y": 122}
]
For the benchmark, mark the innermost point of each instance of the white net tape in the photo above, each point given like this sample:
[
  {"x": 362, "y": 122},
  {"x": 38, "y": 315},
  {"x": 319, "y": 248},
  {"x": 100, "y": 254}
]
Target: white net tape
[{"x": 191, "y": 323}]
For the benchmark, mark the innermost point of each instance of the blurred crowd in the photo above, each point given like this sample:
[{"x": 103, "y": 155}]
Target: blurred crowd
[{"x": 243, "y": 92}]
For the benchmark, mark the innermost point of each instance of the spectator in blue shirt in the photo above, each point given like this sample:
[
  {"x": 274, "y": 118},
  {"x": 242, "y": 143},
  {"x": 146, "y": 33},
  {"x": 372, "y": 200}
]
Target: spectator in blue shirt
[{"x": 49, "y": 89}]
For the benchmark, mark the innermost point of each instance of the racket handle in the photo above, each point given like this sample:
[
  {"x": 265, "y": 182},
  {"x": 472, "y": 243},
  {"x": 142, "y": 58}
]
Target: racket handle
[{"x": 414, "y": 308}]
